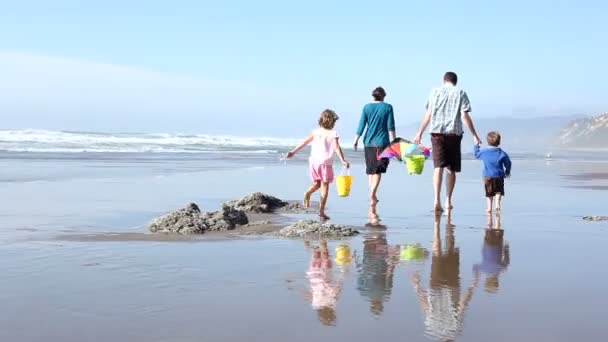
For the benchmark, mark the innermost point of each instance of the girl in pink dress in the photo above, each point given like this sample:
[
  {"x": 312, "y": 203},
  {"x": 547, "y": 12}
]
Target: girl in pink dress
[{"x": 324, "y": 143}]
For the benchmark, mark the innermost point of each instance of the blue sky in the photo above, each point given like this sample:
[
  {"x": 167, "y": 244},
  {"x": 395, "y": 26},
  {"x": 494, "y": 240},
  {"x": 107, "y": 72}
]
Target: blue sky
[{"x": 269, "y": 67}]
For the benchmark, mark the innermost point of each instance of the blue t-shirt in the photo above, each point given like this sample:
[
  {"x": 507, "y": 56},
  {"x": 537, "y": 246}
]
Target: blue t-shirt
[
  {"x": 496, "y": 163},
  {"x": 379, "y": 119}
]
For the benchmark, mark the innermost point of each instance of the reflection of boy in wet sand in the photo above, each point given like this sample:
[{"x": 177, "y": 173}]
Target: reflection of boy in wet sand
[
  {"x": 376, "y": 271},
  {"x": 443, "y": 304},
  {"x": 323, "y": 290},
  {"x": 495, "y": 256}
]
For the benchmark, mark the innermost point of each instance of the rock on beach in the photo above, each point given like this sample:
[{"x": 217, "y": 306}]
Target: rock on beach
[
  {"x": 314, "y": 229},
  {"x": 190, "y": 220}
]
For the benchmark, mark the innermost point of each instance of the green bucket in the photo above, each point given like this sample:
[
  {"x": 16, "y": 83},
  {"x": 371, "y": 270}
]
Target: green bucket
[{"x": 415, "y": 164}]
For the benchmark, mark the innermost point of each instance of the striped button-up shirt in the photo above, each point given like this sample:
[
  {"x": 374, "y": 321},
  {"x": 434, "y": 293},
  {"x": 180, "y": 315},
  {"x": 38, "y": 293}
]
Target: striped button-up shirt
[{"x": 446, "y": 105}]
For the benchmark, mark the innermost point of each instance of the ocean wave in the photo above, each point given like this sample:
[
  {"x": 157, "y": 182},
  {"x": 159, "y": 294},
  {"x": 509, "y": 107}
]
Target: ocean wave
[{"x": 42, "y": 141}]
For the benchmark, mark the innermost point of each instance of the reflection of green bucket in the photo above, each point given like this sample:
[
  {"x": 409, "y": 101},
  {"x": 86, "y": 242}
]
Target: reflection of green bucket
[
  {"x": 415, "y": 164},
  {"x": 412, "y": 252}
]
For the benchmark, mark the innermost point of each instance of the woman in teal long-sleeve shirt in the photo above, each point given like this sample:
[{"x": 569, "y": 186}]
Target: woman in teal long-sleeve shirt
[{"x": 378, "y": 122}]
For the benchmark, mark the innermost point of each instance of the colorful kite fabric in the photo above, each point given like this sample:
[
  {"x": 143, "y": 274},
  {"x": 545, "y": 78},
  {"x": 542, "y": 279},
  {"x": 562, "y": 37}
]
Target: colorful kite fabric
[{"x": 401, "y": 148}]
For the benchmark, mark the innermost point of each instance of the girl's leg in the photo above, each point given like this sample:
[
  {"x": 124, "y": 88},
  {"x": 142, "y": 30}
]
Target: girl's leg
[
  {"x": 498, "y": 201},
  {"x": 324, "y": 194},
  {"x": 314, "y": 187},
  {"x": 489, "y": 207}
]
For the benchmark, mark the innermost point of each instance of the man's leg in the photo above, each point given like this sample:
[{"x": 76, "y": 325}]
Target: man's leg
[
  {"x": 450, "y": 183},
  {"x": 437, "y": 180},
  {"x": 498, "y": 202}
]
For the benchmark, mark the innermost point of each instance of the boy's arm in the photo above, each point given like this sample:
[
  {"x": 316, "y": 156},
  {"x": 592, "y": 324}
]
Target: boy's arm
[
  {"x": 361, "y": 128},
  {"x": 477, "y": 151},
  {"x": 306, "y": 141},
  {"x": 341, "y": 154},
  {"x": 391, "y": 124},
  {"x": 507, "y": 163}
]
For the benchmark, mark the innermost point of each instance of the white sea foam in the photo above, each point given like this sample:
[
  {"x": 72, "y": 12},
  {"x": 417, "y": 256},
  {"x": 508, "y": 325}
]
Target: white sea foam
[{"x": 74, "y": 142}]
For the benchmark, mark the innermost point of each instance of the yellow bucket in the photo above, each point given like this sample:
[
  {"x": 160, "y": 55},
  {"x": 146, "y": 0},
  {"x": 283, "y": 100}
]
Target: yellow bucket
[
  {"x": 343, "y": 183},
  {"x": 343, "y": 255},
  {"x": 415, "y": 164},
  {"x": 412, "y": 252}
]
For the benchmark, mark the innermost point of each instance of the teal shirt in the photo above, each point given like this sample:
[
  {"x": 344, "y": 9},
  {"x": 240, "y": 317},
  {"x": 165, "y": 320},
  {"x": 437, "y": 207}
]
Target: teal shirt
[{"x": 379, "y": 119}]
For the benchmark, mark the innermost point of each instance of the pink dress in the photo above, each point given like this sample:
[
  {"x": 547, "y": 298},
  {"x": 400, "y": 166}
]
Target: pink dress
[{"x": 321, "y": 155}]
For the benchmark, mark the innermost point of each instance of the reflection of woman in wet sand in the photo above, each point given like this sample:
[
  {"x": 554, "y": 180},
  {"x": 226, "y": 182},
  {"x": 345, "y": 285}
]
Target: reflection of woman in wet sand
[
  {"x": 376, "y": 270},
  {"x": 495, "y": 255},
  {"x": 443, "y": 304},
  {"x": 323, "y": 290}
]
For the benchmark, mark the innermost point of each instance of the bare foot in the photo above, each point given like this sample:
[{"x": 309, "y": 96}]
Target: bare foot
[
  {"x": 323, "y": 217},
  {"x": 489, "y": 210},
  {"x": 438, "y": 208},
  {"x": 306, "y": 201},
  {"x": 497, "y": 208}
]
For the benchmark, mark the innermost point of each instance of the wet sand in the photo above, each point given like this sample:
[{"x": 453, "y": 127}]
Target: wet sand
[{"x": 83, "y": 268}]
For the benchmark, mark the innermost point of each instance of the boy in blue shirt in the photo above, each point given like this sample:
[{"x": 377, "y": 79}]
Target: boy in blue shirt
[{"x": 496, "y": 167}]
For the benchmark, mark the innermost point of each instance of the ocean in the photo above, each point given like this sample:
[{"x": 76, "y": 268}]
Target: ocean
[{"x": 532, "y": 279}]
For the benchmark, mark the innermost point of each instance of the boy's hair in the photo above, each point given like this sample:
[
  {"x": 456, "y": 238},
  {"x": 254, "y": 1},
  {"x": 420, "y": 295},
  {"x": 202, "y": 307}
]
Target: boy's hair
[
  {"x": 379, "y": 94},
  {"x": 494, "y": 139},
  {"x": 451, "y": 77},
  {"x": 328, "y": 119}
]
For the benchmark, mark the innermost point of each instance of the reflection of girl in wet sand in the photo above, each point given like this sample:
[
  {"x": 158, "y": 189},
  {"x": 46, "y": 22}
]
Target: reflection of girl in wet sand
[
  {"x": 323, "y": 290},
  {"x": 495, "y": 255},
  {"x": 376, "y": 270},
  {"x": 443, "y": 304}
]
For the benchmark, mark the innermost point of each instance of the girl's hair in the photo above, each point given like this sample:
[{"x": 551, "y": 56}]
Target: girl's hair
[{"x": 328, "y": 119}]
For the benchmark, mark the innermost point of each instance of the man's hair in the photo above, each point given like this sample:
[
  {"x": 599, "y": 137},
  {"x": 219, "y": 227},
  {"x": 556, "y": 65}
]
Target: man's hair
[
  {"x": 451, "y": 77},
  {"x": 328, "y": 119},
  {"x": 494, "y": 139},
  {"x": 379, "y": 94}
]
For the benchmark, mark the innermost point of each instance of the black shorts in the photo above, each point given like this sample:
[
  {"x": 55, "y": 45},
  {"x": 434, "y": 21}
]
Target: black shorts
[
  {"x": 373, "y": 165},
  {"x": 446, "y": 151},
  {"x": 494, "y": 186}
]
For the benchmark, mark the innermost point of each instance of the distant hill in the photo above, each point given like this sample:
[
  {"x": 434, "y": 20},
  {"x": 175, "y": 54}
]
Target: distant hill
[
  {"x": 585, "y": 133},
  {"x": 518, "y": 133}
]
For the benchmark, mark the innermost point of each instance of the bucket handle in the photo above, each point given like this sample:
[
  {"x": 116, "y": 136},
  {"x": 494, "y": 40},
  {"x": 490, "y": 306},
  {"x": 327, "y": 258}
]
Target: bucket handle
[{"x": 345, "y": 171}]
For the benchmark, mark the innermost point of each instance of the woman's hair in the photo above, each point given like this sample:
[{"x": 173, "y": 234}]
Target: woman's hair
[
  {"x": 328, "y": 119},
  {"x": 494, "y": 139},
  {"x": 379, "y": 94}
]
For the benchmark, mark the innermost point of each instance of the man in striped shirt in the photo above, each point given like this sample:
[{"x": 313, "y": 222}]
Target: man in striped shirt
[{"x": 447, "y": 108}]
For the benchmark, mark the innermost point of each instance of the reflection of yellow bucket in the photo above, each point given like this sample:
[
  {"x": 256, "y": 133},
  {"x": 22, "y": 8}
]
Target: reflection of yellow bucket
[
  {"x": 343, "y": 255},
  {"x": 412, "y": 252},
  {"x": 343, "y": 183},
  {"x": 415, "y": 164}
]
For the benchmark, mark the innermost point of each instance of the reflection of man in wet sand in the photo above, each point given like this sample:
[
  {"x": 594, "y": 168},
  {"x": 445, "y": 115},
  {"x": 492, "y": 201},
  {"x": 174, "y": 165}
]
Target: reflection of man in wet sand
[
  {"x": 323, "y": 290},
  {"x": 443, "y": 304},
  {"x": 376, "y": 270},
  {"x": 495, "y": 255}
]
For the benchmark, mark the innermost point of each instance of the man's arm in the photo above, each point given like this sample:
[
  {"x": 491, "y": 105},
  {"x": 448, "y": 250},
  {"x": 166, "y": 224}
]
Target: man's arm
[
  {"x": 426, "y": 119},
  {"x": 468, "y": 122}
]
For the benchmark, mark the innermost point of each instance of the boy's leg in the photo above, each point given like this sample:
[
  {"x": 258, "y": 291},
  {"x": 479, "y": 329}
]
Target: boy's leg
[
  {"x": 324, "y": 193},
  {"x": 437, "y": 180},
  {"x": 498, "y": 201},
  {"x": 489, "y": 206},
  {"x": 450, "y": 183},
  {"x": 311, "y": 190}
]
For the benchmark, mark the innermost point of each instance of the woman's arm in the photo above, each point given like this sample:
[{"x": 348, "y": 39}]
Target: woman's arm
[
  {"x": 306, "y": 141},
  {"x": 361, "y": 128},
  {"x": 391, "y": 125}
]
